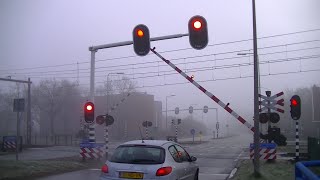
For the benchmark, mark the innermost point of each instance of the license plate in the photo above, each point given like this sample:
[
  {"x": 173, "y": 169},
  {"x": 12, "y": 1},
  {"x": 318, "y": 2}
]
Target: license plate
[{"x": 131, "y": 175}]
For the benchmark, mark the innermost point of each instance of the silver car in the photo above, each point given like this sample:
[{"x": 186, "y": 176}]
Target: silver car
[{"x": 150, "y": 159}]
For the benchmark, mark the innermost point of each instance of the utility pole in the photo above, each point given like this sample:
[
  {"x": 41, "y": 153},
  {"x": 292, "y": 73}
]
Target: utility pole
[
  {"x": 29, "y": 114},
  {"x": 256, "y": 138}
]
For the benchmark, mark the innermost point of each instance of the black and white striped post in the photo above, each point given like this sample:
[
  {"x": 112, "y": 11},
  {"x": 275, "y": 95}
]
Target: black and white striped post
[
  {"x": 295, "y": 105},
  {"x": 147, "y": 135},
  {"x": 297, "y": 141},
  {"x": 176, "y": 132},
  {"x": 92, "y": 133},
  {"x": 106, "y": 134}
]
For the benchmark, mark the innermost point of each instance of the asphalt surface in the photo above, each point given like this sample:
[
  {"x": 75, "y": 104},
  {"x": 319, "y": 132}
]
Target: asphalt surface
[{"x": 216, "y": 158}]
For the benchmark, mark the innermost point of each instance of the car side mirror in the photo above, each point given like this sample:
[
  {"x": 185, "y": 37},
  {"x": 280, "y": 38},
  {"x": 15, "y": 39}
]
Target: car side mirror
[{"x": 193, "y": 158}]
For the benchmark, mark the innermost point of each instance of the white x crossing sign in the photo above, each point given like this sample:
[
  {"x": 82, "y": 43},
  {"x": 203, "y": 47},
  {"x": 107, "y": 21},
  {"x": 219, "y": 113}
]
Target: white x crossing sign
[{"x": 271, "y": 102}]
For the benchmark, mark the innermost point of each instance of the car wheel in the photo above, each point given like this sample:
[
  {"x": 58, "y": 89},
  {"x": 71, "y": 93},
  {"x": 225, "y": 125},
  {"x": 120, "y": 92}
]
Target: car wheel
[{"x": 196, "y": 176}]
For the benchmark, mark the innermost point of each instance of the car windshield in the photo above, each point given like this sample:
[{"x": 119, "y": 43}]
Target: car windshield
[{"x": 138, "y": 154}]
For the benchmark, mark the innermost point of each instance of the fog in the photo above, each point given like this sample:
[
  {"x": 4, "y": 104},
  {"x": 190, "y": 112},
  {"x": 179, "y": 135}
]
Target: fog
[{"x": 50, "y": 40}]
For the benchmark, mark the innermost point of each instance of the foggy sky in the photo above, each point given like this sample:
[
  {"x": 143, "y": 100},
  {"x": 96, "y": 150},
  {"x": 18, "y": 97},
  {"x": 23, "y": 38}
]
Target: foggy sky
[{"x": 38, "y": 33}]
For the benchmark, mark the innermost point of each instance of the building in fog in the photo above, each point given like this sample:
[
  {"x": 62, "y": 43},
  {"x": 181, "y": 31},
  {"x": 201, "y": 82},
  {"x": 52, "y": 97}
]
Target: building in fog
[{"x": 129, "y": 115}]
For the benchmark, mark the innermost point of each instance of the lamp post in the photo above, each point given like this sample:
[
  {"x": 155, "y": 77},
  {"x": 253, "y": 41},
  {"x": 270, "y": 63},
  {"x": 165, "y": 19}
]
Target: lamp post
[{"x": 167, "y": 110}]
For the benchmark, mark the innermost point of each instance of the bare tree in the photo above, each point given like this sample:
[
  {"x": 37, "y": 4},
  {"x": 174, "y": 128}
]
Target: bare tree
[
  {"x": 51, "y": 96},
  {"x": 125, "y": 85}
]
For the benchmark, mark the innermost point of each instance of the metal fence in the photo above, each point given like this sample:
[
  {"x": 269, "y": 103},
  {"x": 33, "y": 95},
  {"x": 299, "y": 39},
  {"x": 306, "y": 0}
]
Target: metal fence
[
  {"x": 65, "y": 140},
  {"x": 56, "y": 140}
]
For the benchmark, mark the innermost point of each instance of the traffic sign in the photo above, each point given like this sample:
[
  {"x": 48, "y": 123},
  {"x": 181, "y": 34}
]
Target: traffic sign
[
  {"x": 109, "y": 120},
  {"x": 176, "y": 110},
  {"x": 190, "y": 109},
  {"x": 192, "y": 131},
  {"x": 146, "y": 124},
  {"x": 100, "y": 119},
  {"x": 205, "y": 109},
  {"x": 269, "y": 102}
]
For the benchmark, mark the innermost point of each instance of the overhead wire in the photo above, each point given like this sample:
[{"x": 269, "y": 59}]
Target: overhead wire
[
  {"x": 174, "y": 59},
  {"x": 201, "y": 69},
  {"x": 217, "y": 79},
  {"x": 166, "y": 51}
]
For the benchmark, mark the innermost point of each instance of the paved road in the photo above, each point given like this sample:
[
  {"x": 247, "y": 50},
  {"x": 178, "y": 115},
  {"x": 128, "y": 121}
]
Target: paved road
[{"x": 216, "y": 158}]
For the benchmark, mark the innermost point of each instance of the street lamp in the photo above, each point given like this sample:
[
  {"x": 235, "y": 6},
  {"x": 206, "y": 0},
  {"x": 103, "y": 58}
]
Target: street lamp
[{"x": 167, "y": 110}]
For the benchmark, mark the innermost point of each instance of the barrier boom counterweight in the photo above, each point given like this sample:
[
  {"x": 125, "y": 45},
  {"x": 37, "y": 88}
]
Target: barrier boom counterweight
[{"x": 209, "y": 94}]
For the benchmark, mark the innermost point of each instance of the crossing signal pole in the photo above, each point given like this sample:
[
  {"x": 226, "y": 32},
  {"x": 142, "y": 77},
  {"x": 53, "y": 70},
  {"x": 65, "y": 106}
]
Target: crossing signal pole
[{"x": 295, "y": 105}]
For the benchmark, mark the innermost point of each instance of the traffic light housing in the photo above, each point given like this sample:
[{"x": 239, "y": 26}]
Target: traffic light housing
[
  {"x": 198, "y": 32},
  {"x": 89, "y": 112},
  {"x": 295, "y": 105},
  {"x": 141, "y": 40}
]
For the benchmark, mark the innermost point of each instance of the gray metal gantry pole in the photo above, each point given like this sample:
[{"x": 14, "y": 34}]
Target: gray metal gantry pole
[
  {"x": 92, "y": 136},
  {"x": 256, "y": 136},
  {"x": 94, "y": 49}
]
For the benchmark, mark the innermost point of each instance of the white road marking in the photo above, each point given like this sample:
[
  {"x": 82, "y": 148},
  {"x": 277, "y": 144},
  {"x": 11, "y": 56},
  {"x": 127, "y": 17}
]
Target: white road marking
[
  {"x": 95, "y": 169},
  {"x": 213, "y": 174},
  {"x": 238, "y": 156},
  {"x": 232, "y": 173}
]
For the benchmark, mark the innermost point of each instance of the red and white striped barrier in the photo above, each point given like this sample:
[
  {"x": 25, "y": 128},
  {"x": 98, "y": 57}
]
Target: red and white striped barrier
[
  {"x": 92, "y": 153},
  {"x": 209, "y": 94},
  {"x": 265, "y": 153},
  {"x": 9, "y": 145}
]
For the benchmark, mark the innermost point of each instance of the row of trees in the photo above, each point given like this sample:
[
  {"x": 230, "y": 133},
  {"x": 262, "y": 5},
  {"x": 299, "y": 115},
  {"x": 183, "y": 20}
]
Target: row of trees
[{"x": 51, "y": 98}]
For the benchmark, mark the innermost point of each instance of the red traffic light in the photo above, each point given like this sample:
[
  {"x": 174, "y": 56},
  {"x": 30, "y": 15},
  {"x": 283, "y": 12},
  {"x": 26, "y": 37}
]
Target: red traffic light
[
  {"x": 295, "y": 107},
  {"x": 89, "y": 112},
  {"x": 198, "y": 32},
  {"x": 294, "y": 102},
  {"x": 197, "y": 24},
  {"x": 140, "y": 33},
  {"x": 89, "y": 107}
]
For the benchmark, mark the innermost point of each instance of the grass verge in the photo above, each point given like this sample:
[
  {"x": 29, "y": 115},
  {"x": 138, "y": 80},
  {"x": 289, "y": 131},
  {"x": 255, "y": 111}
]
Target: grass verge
[
  {"x": 280, "y": 169},
  {"x": 11, "y": 169}
]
